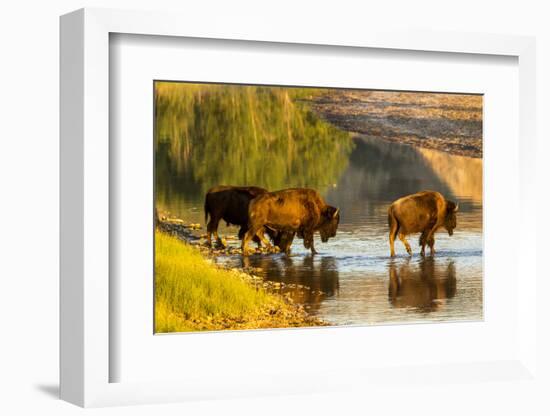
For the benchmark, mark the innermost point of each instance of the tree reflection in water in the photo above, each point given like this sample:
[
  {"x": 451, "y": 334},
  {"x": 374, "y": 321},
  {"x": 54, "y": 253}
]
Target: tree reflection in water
[{"x": 213, "y": 134}]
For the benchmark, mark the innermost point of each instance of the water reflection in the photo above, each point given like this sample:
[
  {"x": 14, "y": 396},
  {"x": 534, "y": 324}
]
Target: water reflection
[
  {"x": 461, "y": 174},
  {"x": 265, "y": 137},
  {"x": 353, "y": 281},
  {"x": 207, "y": 135},
  {"x": 424, "y": 285},
  {"x": 385, "y": 171},
  {"x": 307, "y": 279}
]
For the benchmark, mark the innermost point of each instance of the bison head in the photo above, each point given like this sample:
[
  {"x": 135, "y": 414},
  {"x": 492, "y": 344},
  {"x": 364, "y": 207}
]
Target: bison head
[
  {"x": 450, "y": 217},
  {"x": 329, "y": 223}
]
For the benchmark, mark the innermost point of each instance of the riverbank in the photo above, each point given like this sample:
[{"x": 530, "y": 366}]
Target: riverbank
[
  {"x": 447, "y": 122},
  {"x": 193, "y": 294},
  {"x": 193, "y": 234}
]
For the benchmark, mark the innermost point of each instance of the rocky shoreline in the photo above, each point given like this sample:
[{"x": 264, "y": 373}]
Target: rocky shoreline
[
  {"x": 192, "y": 233},
  {"x": 450, "y": 123},
  {"x": 292, "y": 315}
]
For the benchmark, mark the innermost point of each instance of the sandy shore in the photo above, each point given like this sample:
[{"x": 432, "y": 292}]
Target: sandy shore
[{"x": 448, "y": 122}]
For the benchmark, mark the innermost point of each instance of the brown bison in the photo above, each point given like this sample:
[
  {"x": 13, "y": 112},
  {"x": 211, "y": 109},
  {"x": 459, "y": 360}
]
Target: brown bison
[
  {"x": 424, "y": 212},
  {"x": 230, "y": 204},
  {"x": 296, "y": 211}
]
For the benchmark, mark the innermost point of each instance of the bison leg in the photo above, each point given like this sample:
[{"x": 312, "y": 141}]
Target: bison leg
[
  {"x": 257, "y": 240},
  {"x": 212, "y": 228},
  {"x": 261, "y": 236},
  {"x": 405, "y": 243},
  {"x": 242, "y": 232},
  {"x": 422, "y": 241},
  {"x": 431, "y": 243},
  {"x": 244, "y": 245},
  {"x": 393, "y": 234},
  {"x": 430, "y": 239},
  {"x": 309, "y": 241},
  {"x": 286, "y": 241},
  {"x": 249, "y": 235},
  {"x": 219, "y": 241},
  {"x": 394, "y": 229}
]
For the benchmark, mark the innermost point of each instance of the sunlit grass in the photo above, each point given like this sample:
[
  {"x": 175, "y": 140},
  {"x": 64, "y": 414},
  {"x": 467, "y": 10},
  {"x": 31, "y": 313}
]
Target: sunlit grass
[{"x": 193, "y": 294}]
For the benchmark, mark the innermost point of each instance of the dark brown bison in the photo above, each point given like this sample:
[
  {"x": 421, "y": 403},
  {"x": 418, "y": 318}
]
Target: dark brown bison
[
  {"x": 297, "y": 211},
  {"x": 230, "y": 204},
  {"x": 424, "y": 212}
]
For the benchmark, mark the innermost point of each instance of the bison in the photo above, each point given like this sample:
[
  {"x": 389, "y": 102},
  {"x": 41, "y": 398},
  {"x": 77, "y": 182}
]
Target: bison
[
  {"x": 230, "y": 203},
  {"x": 299, "y": 211},
  {"x": 424, "y": 212}
]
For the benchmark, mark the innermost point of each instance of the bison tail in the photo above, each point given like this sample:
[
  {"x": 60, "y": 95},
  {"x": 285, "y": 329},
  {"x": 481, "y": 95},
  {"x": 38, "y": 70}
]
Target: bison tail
[
  {"x": 392, "y": 222},
  {"x": 206, "y": 211}
]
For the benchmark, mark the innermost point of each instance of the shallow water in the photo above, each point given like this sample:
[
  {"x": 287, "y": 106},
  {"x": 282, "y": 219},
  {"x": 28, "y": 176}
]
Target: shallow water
[{"x": 353, "y": 280}]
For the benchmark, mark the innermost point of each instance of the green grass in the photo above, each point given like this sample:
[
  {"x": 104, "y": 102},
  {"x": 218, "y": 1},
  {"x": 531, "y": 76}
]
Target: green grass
[{"x": 193, "y": 294}]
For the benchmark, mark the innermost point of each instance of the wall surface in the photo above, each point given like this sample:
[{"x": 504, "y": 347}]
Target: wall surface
[{"x": 29, "y": 101}]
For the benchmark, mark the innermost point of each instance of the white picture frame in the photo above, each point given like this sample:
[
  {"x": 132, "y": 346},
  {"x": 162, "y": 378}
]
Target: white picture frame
[{"x": 85, "y": 166}]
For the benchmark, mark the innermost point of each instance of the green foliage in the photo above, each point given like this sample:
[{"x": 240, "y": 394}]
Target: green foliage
[
  {"x": 207, "y": 135},
  {"x": 190, "y": 291}
]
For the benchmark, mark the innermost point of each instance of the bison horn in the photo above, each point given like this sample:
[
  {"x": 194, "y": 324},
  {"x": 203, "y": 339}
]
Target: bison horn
[
  {"x": 456, "y": 207},
  {"x": 336, "y": 213}
]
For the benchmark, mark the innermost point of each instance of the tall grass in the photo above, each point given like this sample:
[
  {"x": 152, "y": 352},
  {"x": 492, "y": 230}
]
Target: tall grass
[{"x": 193, "y": 294}]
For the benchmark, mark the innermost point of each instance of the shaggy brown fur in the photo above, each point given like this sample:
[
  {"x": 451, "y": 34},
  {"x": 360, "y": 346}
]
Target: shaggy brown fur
[
  {"x": 299, "y": 211},
  {"x": 230, "y": 203},
  {"x": 424, "y": 212}
]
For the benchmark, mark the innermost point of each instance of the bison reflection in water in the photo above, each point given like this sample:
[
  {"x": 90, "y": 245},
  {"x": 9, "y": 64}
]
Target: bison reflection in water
[
  {"x": 308, "y": 280},
  {"x": 424, "y": 212},
  {"x": 424, "y": 286},
  {"x": 299, "y": 211}
]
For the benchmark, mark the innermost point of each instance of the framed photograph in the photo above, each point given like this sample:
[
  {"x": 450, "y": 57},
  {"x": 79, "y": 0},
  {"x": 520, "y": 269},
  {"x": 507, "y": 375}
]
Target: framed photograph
[
  {"x": 365, "y": 168},
  {"x": 238, "y": 209}
]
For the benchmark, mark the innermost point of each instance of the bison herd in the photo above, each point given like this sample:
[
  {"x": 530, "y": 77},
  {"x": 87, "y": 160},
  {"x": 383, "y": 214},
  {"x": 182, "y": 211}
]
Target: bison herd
[{"x": 302, "y": 212}]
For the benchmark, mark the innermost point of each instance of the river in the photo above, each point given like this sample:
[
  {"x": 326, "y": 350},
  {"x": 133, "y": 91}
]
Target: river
[{"x": 353, "y": 281}]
